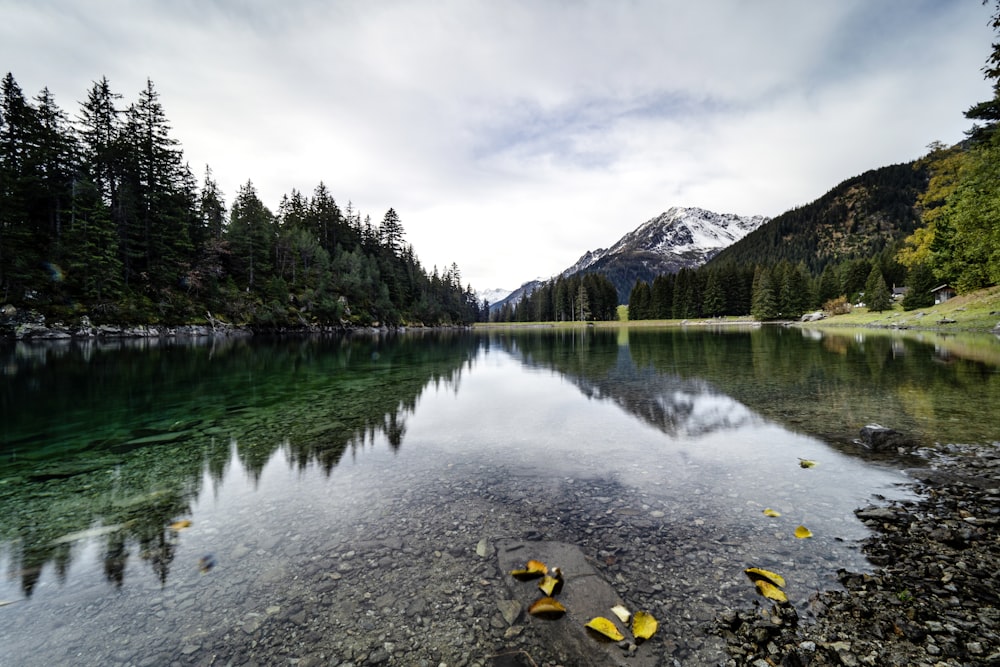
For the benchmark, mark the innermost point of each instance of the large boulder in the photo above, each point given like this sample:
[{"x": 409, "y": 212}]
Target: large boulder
[
  {"x": 880, "y": 438},
  {"x": 586, "y": 594}
]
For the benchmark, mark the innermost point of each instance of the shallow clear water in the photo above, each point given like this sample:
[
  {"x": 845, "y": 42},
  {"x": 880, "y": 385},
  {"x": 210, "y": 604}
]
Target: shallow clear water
[{"x": 297, "y": 460}]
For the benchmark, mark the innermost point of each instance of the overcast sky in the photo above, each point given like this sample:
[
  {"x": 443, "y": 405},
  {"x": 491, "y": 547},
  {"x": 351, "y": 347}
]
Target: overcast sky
[{"x": 512, "y": 136}]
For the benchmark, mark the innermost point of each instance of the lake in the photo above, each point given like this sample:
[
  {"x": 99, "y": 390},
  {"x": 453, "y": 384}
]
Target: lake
[{"x": 339, "y": 501}]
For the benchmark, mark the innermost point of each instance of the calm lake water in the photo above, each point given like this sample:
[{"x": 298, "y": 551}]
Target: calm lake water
[{"x": 310, "y": 501}]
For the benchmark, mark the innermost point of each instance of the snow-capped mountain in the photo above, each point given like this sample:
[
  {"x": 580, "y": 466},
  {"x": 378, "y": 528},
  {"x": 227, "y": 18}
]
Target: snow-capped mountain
[
  {"x": 493, "y": 295},
  {"x": 691, "y": 236},
  {"x": 677, "y": 239},
  {"x": 514, "y": 297},
  {"x": 680, "y": 238}
]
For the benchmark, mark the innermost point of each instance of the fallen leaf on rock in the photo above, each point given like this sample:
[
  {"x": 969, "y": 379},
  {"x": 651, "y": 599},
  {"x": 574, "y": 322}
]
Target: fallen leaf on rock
[
  {"x": 551, "y": 585},
  {"x": 802, "y": 532},
  {"x": 532, "y": 570},
  {"x": 643, "y": 625},
  {"x": 806, "y": 463},
  {"x": 621, "y": 612},
  {"x": 770, "y": 591},
  {"x": 605, "y": 628},
  {"x": 771, "y": 512},
  {"x": 547, "y": 607},
  {"x": 178, "y": 526},
  {"x": 756, "y": 573}
]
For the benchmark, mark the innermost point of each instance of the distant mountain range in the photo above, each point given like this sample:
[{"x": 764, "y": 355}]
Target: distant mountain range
[
  {"x": 676, "y": 239},
  {"x": 492, "y": 295},
  {"x": 857, "y": 218}
]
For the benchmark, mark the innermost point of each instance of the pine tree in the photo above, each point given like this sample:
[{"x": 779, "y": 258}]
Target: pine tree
[
  {"x": 211, "y": 209},
  {"x": 640, "y": 301},
  {"x": 55, "y": 166},
  {"x": 326, "y": 222},
  {"x": 877, "y": 296},
  {"x": 829, "y": 284},
  {"x": 765, "y": 298},
  {"x": 714, "y": 303},
  {"x": 94, "y": 270},
  {"x": 391, "y": 231},
  {"x": 582, "y": 303},
  {"x": 662, "y": 297},
  {"x": 251, "y": 238},
  {"x": 20, "y": 247},
  {"x": 159, "y": 197},
  {"x": 100, "y": 129},
  {"x": 920, "y": 282}
]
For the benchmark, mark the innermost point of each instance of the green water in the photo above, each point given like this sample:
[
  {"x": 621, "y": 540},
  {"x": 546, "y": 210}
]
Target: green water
[{"x": 103, "y": 448}]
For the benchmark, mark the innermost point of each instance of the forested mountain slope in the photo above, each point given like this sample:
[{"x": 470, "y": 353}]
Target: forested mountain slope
[{"x": 856, "y": 219}]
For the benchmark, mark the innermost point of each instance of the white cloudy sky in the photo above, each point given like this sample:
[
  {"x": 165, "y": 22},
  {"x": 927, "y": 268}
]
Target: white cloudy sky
[{"x": 513, "y": 135}]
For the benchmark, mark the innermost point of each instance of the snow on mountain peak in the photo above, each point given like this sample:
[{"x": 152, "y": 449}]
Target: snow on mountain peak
[
  {"x": 679, "y": 230},
  {"x": 682, "y": 229}
]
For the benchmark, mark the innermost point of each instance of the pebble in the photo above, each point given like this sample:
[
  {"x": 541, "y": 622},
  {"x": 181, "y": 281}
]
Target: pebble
[
  {"x": 510, "y": 610},
  {"x": 418, "y": 589},
  {"x": 933, "y": 594}
]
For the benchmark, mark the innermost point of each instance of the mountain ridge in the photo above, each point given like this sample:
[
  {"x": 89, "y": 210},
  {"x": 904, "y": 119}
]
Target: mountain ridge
[
  {"x": 680, "y": 237},
  {"x": 858, "y": 217}
]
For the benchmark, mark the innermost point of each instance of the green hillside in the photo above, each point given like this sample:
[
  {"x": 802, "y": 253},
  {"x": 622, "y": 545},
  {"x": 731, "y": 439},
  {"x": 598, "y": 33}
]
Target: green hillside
[{"x": 856, "y": 219}]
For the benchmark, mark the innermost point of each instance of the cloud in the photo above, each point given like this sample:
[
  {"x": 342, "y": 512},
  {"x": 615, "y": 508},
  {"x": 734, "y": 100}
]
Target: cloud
[{"x": 513, "y": 136}]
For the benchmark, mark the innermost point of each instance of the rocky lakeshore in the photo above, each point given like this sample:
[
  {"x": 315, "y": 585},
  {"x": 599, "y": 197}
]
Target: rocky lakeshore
[{"x": 931, "y": 602}]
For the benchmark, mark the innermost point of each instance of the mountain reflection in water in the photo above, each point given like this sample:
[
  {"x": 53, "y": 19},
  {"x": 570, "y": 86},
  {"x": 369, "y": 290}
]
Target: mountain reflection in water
[{"x": 106, "y": 447}]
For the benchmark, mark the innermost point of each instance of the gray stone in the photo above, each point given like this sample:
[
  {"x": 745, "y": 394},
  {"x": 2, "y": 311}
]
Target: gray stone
[
  {"x": 585, "y": 594},
  {"x": 876, "y": 513},
  {"x": 510, "y": 609},
  {"x": 484, "y": 549},
  {"x": 377, "y": 657},
  {"x": 880, "y": 438}
]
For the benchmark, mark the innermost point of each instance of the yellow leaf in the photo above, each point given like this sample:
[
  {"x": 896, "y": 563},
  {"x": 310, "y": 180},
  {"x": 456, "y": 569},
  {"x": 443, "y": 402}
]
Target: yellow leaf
[
  {"x": 551, "y": 585},
  {"x": 547, "y": 608},
  {"x": 771, "y": 512},
  {"x": 770, "y": 591},
  {"x": 533, "y": 570},
  {"x": 806, "y": 463},
  {"x": 178, "y": 526},
  {"x": 605, "y": 628},
  {"x": 756, "y": 573},
  {"x": 802, "y": 532},
  {"x": 643, "y": 625},
  {"x": 622, "y": 613}
]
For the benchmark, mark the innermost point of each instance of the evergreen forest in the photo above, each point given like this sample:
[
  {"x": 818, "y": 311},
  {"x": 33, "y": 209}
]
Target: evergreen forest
[
  {"x": 586, "y": 296},
  {"x": 100, "y": 215}
]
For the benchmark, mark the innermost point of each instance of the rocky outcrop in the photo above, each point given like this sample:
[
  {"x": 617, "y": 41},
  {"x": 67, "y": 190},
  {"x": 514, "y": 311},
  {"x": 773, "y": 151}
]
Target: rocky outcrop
[
  {"x": 27, "y": 325},
  {"x": 879, "y": 438}
]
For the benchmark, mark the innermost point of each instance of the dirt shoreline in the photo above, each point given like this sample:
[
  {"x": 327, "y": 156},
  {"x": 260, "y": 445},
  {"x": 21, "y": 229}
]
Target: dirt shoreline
[{"x": 932, "y": 601}]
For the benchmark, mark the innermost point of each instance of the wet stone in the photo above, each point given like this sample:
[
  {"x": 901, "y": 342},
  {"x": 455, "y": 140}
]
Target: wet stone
[{"x": 510, "y": 610}]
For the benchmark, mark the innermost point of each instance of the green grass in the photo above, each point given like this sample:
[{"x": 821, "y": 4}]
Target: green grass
[{"x": 976, "y": 311}]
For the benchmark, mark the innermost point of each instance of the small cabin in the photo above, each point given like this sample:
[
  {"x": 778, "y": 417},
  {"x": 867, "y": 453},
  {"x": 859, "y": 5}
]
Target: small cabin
[
  {"x": 942, "y": 293},
  {"x": 898, "y": 293}
]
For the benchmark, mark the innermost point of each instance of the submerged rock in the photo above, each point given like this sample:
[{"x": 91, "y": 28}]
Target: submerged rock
[
  {"x": 586, "y": 594},
  {"x": 881, "y": 438}
]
